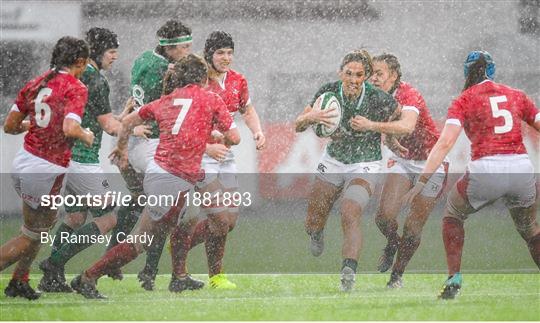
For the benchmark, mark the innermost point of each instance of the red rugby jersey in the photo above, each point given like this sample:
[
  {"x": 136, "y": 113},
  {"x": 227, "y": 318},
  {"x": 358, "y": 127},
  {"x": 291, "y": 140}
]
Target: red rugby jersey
[
  {"x": 491, "y": 115},
  {"x": 186, "y": 117},
  {"x": 64, "y": 96}
]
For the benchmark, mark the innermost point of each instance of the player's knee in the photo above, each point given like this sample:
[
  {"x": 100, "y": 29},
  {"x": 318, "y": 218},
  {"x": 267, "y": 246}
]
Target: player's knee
[
  {"x": 529, "y": 231},
  {"x": 218, "y": 224},
  {"x": 454, "y": 211},
  {"x": 356, "y": 195}
]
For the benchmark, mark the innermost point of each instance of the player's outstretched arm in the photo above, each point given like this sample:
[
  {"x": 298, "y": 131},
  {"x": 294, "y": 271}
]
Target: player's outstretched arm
[
  {"x": 443, "y": 146},
  {"x": 72, "y": 129},
  {"x": 119, "y": 154},
  {"x": 404, "y": 126},
  {"x": 15, "y": 123},
  {"x": 251, "y": 118}
]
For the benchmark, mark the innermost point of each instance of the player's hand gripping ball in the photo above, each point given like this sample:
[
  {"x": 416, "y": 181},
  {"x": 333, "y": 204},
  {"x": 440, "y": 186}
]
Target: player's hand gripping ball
[{"x": 327, "y": 101}]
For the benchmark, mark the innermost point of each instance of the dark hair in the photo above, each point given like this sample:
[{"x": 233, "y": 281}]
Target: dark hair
[
  {"x": 476, "y": 72},
  {"x": 171, "y": 29},
  {"x": 216, "y": 40},
  {"x": 100, "y": 40},
  {"x": 393, "y": 64},
  {"x": 191, "y": 69},
  {"x": 358, "y": 55},
  {"x": 66, "y": 52}
]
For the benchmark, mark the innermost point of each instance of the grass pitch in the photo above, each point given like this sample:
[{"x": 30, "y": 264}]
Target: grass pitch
[{"x": 492, "y": 297}]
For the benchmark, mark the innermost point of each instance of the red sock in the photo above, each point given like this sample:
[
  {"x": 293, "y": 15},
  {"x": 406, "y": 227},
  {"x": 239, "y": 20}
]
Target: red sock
[
  {"x": 116, "y": 257},
  {"x": 200, "y": 234},
  {"x": 180, "y": 245},
  {"x": 534, "y": 249},
  {"x": 19, "y": 275},
  {"x": 453, "y": 238},
  {"x": 215, "y": 249}
]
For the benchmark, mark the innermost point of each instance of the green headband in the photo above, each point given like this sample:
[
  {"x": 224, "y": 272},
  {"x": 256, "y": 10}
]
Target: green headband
[{"x": 175, "y": 41}]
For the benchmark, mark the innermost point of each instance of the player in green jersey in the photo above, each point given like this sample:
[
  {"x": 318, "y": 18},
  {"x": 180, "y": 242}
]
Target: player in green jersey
[
  {"x": 85, "y": 175},
  {"x": 352, "y": 160},
  {"x": 147, "y": 73}
]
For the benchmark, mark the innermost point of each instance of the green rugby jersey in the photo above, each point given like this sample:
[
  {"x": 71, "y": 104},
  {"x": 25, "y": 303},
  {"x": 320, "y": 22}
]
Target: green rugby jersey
[
  {"x": 147, "y": 81},
  {"x": 353, "y": 146},
  {"x": 98, "y": 104}
]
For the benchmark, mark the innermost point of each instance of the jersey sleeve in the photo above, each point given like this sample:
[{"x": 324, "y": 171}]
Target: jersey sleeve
[
  {"x": 456, "y": 112},
  {"x": 412, "y": 101},
  {"x": 222, "y": 118},
  {"x": 20, "y": 104},
  {"x": 323, "y": 89},
  {"x": 98, "y": 101},
  {"x": 245, "y": 100},
  {"x": 76, "y": 99},
  {"x": 146, "y": 112},
  {"x": 531, "y": 114}
]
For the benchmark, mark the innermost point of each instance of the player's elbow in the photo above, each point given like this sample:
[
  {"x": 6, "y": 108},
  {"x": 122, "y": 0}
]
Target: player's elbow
[
  {"x": 232, "y": 137},
  {"x": 71, "y": 128},
  {"x": 10, "y": 129}
]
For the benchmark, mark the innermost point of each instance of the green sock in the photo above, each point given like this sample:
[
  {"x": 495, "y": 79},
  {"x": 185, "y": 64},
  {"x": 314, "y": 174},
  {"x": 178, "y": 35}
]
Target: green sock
[
  {"x": 68, "y": 250},
  {"x": 126, "y": 218},
  {"x": 57, "y": 244},
  {"x": 153, "y": 253}
]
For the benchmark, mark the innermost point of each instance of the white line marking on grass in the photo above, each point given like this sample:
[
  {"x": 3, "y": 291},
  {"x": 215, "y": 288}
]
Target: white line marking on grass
[{"x": 353, "y": 296}]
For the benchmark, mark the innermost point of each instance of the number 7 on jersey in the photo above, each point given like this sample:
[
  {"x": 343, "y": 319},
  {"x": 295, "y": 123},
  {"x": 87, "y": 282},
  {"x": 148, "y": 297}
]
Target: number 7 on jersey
[{"x": 184, "y": 104}]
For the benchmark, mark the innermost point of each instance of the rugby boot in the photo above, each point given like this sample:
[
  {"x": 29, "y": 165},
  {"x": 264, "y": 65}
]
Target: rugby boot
[
  {"x": 147, "y": 278},
  {"x": 86, "y": 289},
  {"x": 395, "y": 281},
  {"x": 54, "y": 279},
  {"x": 451, "y": 287},
  {"x": 22, "y": 289},
  {"x": 178, "y": 285},
  {"x": 317, "y": 243},
  {"x": 387, "y": 258},
  {"x": 115, "y": 274},
  {"x": 220, "y": 281},
  {"x": 347, "y": 279}
]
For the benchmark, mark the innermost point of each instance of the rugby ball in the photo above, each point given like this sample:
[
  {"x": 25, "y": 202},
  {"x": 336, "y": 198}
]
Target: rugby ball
[{"x": 327, "y": 100}]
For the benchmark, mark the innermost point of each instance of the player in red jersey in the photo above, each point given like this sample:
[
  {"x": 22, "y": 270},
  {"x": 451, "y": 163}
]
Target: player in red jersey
[
  {"x": 491, "y": 114},
  {"x": 55, "y": 104},
  {"x": 186, "y": 115},
  {"x": 219, "y": 165},
  {"x": 404, "y": 167}
]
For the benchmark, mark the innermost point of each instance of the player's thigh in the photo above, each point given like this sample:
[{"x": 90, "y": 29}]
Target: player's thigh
[
  {"x": 394, "y": 188},
  {"x": 457, "y": 204},
  {"x": 321, "y": 198}
]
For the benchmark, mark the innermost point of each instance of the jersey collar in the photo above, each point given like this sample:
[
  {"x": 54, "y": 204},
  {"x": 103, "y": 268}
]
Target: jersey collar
[{"x": 361, "y": 95}]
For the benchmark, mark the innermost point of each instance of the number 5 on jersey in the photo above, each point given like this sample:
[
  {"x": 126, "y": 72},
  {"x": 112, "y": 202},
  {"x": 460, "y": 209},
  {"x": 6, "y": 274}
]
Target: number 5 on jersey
[
  {"x": 184, "y": 104},
  {"x": 497, "y": 113}
]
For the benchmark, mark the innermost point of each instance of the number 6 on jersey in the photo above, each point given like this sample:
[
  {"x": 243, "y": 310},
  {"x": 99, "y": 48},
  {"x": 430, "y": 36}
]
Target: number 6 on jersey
[{"x": 184, "y": 104}]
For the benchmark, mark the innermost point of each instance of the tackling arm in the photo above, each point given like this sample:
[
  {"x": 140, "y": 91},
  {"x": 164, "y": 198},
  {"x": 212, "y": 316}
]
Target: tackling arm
[{"x": 15, "y": 123}]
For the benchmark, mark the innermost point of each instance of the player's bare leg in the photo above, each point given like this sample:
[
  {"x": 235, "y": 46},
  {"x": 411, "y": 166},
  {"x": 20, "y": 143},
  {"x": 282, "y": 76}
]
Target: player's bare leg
[
  {"x": 355, "y": 198},
  {"x": 527, "y": 226},
  {"x": 396, "y": 186},
  {"x": 24, "y": 248},
  {"x": 321, "y": 200},
  {"x": 421, "y": 207}
]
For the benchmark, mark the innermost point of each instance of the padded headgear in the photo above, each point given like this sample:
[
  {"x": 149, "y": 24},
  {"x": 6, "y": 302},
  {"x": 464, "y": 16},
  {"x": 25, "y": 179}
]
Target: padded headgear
[
  {"x": 216, "y": 40},
  {"x": 100, "y": 40},
  {"x": 473, "y": 57}
]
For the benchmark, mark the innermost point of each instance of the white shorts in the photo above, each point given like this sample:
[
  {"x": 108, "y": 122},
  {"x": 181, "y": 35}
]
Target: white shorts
[
  {"x": 510, "y": 177},
  {"x": 141, "y": 151},
  {"x": 339, "y": 174},
  {"x": 34, "y": 177},
  {"x": 224, "y": 171},
  {"x": 412, "y": 169},
  {"x": 163, "y": 188},
  {"x": 82, "y": 179}
]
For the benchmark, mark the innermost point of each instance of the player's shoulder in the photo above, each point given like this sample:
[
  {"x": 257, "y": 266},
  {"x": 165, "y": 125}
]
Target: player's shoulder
[
  {"x": 70, "y": 82},
  {"x": 407, "y": 89},
  {"x": 149, "y": 58},
  {"x": 375, "y": 93}
]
